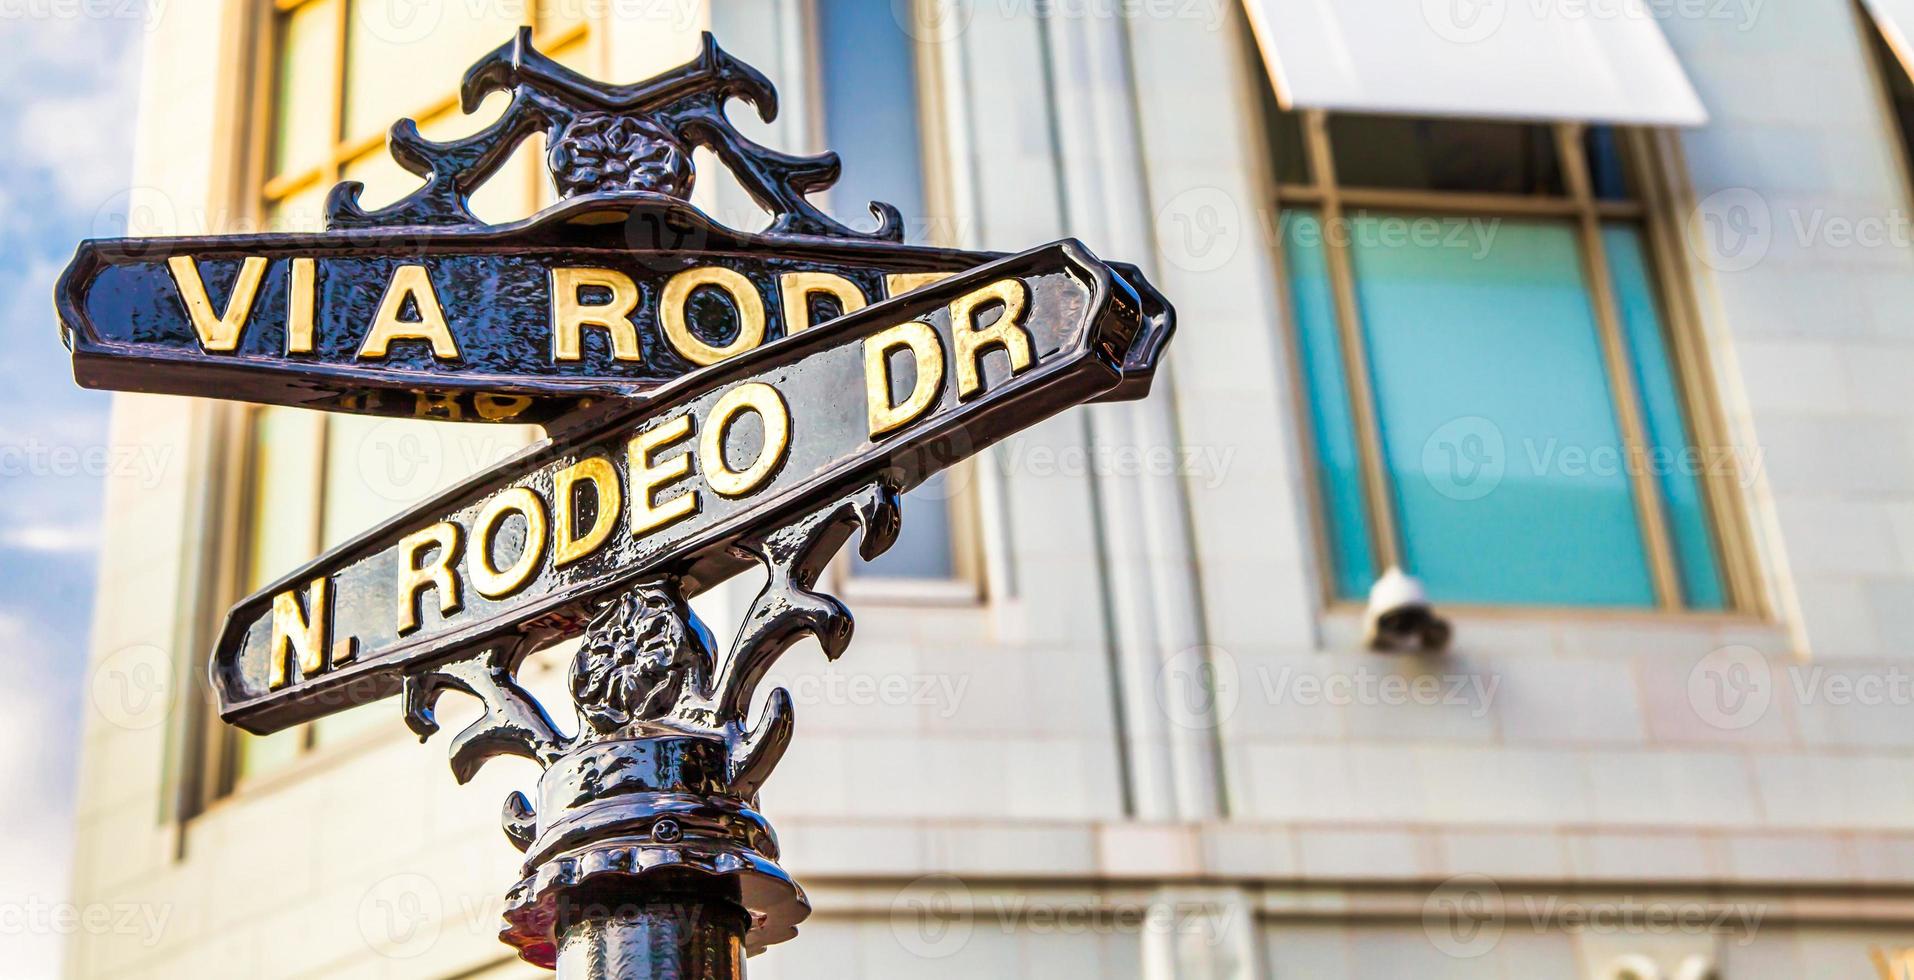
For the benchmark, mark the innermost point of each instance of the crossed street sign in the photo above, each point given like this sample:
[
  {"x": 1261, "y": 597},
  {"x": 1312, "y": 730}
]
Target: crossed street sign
[
  {"x": 714, "y": 399},
  {"x": 893, "y": 392}
]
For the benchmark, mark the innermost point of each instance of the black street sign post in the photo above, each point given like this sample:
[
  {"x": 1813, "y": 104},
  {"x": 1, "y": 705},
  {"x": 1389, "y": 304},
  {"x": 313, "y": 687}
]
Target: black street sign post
[{"x": 715, "y": 401}]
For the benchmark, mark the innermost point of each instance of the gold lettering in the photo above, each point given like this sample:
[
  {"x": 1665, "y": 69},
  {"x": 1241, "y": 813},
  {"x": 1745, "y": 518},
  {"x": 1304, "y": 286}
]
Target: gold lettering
[
  {"x": 409, "y": 280},
  {"x": 217, "y": 332},
  {"x": 437, "y": 573},
  {"x": 795, "y": 289},
  {"x": 744, "y": 297},
  {"x": 441, "y": 405},
  {"x": 299, "y": 293},
  {"x": 570, "y": 316},
  {"x": 755, "y": 396},
  {"x": 1007, "y": 332},
  {"x": 298, "y": 632},
  {"x": 595, "y": 471},
  {"x": 899, "y": 283},
  {"x": 491, "y": 582},
  {"x": 500, "y": 407},
  {"x": 649, "y": 476},
  {"x": 927, "y": 353}
]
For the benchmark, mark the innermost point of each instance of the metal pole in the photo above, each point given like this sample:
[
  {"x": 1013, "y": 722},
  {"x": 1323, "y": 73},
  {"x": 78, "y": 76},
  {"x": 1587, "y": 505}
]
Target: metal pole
[{"x": 644, "y": 934}]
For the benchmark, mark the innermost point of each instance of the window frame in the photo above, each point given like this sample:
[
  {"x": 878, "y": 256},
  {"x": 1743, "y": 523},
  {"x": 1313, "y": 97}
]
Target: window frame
[
  {"x": 1655, "y": 189},
  {"x": 966, "y": 584},
  {"x": 342, "y": 149}
]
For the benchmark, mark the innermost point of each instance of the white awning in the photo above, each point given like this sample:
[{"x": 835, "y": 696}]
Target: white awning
[
  {"x": 1894, "y": 17},
  {"x": 1585, "y": 60}
]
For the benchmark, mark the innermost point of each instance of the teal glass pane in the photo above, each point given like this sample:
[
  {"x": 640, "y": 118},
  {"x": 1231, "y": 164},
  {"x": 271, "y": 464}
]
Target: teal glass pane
[
  {"x": 1338, "y": 467},
  {"x": 1674, "y": 461},
  {"x": 1496, "y": 418}
]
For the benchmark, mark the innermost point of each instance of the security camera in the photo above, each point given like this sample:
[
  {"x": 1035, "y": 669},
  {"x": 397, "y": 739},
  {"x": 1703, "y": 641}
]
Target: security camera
[{"x": 1399, "y": 618}]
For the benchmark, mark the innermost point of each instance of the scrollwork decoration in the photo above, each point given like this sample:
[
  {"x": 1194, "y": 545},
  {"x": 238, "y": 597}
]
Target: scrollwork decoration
[
  {"x": 608, "y": 142},
  {"x": 662, "y": 723}
]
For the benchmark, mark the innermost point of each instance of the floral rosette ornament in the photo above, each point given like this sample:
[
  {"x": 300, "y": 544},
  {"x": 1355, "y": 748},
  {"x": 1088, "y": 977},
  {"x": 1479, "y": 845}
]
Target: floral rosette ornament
[
  {"x": 599, "y": 152},
  {"x": 636, "y": 660}
]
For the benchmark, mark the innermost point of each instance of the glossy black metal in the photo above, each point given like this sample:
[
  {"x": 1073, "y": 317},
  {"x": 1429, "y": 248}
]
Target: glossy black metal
[
  {"x": 609, "y": 139},
  {"x": 124, "y": 320},
  {"x": 621, "y": 158},
  {"x": 645, "y": 854},
  {"x": 1082, "y": 327},
  {"x": 662, "y": 937}
]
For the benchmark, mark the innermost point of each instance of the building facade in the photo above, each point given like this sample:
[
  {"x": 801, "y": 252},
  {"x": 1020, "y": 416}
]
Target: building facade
[{"x": 1614, "y": 365}]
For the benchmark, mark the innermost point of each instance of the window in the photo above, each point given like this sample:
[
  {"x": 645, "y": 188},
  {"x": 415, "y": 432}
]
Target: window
[
  {"x": 1494, "y": 377},
  {"x": 868, "y": 72},
  {"x": 314, "y": 479},
  {"x": 1898, "y": 87}
]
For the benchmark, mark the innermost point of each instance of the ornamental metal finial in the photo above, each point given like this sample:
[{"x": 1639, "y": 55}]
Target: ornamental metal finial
[{"x": 608, "y": 142}]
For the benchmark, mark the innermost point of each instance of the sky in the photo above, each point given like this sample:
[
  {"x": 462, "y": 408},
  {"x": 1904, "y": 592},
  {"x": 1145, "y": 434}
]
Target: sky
[{"x": 67, "y": 92}]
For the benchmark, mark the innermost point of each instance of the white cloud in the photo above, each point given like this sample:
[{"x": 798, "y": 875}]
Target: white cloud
[
  {"x": 77, "y": 79},
  {"x": 51, "y": 537},
  {"x": 87, "y": 162}
]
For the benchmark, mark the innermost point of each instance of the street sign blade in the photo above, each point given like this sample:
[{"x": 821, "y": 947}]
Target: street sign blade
[
  {"x": 889, "y": 394},
  {"x": 588, "y": 302}
]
